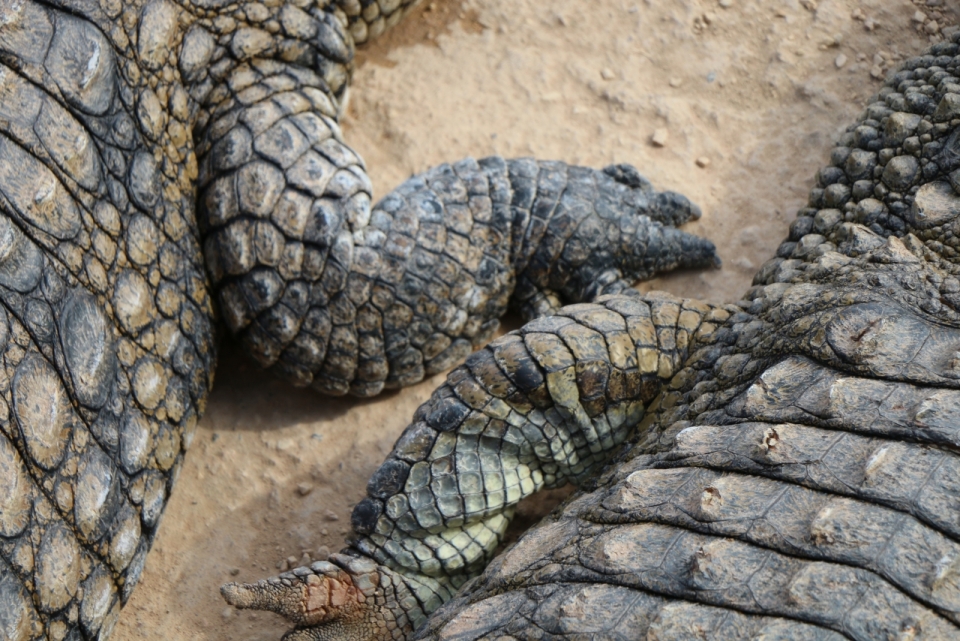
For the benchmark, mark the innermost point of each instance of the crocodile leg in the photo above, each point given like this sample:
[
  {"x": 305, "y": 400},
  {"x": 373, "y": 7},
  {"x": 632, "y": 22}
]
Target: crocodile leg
[
  {"x": 539, "y": 407},
  {"x": 328, "y": 290}
]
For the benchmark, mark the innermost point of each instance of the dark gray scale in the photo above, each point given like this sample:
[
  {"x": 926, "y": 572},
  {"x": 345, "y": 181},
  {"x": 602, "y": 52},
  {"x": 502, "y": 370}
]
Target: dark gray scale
[
  {"x": 602, "y": 232},
  {"x": 409, "y": 288},
  {"x": 725, "y": 573},
  {"x": 860, "y": 405},
  {"x": 18, "y": 618}
]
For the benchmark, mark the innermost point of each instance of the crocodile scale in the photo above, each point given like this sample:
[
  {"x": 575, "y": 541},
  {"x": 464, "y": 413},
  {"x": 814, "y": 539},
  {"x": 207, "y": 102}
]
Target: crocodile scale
[
  {"x": 168, "y": 163},
  {"x": 789, "y": 467}
]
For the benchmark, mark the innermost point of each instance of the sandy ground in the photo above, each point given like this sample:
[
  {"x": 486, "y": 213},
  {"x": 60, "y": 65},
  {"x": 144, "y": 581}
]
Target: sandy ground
[{"x": 750, "y": 95}]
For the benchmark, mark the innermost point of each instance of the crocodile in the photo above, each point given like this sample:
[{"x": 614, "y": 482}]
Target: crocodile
[
  {"x": 167, "y": 165},
  {"x": 784, "y": 467}
]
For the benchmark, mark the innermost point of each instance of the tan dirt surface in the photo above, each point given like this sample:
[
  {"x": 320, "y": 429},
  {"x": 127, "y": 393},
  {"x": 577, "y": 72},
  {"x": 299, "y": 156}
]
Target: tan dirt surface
[{"x": 745, "y": 97}]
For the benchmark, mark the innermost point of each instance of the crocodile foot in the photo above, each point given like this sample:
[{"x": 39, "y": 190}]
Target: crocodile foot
[{"x": 346, "y": 598}]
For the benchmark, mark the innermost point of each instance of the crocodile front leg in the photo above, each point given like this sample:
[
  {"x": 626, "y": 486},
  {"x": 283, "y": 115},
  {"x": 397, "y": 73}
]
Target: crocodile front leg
[{"x": 537, "y": 408}]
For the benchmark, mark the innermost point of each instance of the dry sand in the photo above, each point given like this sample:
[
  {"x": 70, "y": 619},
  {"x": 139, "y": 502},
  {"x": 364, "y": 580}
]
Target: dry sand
[{"x": 749, "y": 96}]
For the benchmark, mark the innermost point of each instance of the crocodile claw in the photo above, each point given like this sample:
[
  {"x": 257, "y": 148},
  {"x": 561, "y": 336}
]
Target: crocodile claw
[{"x": 349, "y": 600}]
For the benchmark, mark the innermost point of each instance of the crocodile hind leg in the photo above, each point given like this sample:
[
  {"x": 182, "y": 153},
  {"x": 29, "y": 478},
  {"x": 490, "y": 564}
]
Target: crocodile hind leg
[
  {"x": 328, "y": 290},
  {"x": 539, "y": 407}
]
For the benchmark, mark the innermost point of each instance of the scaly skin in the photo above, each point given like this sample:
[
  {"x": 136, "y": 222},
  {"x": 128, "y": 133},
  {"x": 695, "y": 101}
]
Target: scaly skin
[
  {"x": 796, "y": 477},
  {"x": 116, "y": 119},
  {"x": 421, "y": 281},
  {"x": 537, "y": 408}
]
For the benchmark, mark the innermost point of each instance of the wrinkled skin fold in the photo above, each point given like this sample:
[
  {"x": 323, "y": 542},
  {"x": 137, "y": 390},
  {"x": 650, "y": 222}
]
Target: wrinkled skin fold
[
  {"x": 791, "y": 463},
  {"x": 165, "y": 166}
]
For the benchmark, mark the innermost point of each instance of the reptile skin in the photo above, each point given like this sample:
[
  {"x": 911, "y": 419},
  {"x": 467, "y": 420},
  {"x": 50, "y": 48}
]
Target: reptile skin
[
  {"x": 791, "y": 468},
  {"x": 160, "y": 161}
]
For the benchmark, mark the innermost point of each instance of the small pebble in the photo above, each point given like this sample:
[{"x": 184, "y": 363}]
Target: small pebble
[
  {"x": 304, "y": 560},
  {"x": 660, "y": 137},
  {"x": 330, "y": 515},
  {"x": 920, "y": 17},
  {"x": 840, "y": 60},
  {"x": 291, "y": 561},
  {"x": 876, "y": 72},
  {"x": 282, "y": 565},
  {"x": 304, "y": 488},
  {"x": 227, "y": 613},
  {"x": 676, "y": 82},
  {"x": 726, "y": 4},
  {"x": 703, "y": 162},
  {"x": 607, "y": 74},
  {"x": 931, "y": 27},
  {"x": 234, "y": 571},
  {"x": 322, "y": 553}
]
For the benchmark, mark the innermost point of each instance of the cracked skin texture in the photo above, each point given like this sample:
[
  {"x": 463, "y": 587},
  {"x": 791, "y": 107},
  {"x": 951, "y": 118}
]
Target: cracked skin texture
[
  {"x": 788, "y": 469},
  {"x": 160, "y": 161}
]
